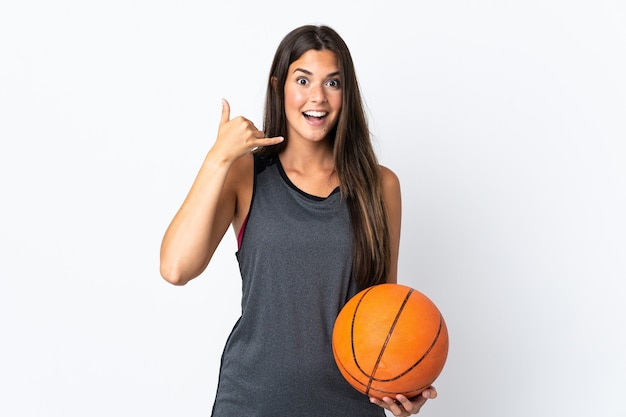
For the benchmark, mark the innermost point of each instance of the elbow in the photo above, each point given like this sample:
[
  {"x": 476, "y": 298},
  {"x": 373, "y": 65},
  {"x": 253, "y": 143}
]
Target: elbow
[
  {"x": 179, "y": 269},
  {"x": 173, "y": 274}
]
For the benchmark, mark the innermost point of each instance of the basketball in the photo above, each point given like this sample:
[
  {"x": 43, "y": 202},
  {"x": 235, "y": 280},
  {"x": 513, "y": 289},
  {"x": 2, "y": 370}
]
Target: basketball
[{"x": 390, "y": 339}]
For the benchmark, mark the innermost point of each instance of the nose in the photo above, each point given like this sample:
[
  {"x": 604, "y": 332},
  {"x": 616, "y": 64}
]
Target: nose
[{"x": 317, "y": 93}]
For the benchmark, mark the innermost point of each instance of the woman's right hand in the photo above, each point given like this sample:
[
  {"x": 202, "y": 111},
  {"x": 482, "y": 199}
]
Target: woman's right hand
[{"x": 237, "y": 137}]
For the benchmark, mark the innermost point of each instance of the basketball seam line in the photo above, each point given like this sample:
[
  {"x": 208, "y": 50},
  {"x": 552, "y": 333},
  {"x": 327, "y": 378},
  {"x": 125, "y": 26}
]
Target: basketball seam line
[{"x": 389, "y": 333}]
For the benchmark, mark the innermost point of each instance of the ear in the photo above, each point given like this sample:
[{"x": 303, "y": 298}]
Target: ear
[{"x": 274, "y": 81}]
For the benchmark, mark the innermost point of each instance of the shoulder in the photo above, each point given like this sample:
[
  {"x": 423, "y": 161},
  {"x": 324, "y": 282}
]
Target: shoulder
[
  {"x": 390, "y": 187},
  {"x": 239, "y": 186},
  {"x": 248, "y": 164},
  {"x": 241, "y": 172},
  {"x": 388, "y": 178}
]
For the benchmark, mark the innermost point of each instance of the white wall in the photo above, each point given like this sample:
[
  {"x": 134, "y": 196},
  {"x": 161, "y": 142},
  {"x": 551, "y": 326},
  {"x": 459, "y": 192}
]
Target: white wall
[{"x": 505, "y": 121}]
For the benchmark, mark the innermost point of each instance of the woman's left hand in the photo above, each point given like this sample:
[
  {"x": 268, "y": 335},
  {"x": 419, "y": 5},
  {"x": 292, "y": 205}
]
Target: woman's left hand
[{"x": 401, "y": 406}]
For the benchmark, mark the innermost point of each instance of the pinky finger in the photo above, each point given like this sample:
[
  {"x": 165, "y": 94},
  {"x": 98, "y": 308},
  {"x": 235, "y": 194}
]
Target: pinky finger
[{"x": 270, "y": 141}]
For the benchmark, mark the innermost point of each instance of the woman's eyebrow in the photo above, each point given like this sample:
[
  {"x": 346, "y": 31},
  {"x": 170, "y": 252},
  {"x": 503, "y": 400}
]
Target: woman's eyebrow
[{"x": 307, "y": 72}]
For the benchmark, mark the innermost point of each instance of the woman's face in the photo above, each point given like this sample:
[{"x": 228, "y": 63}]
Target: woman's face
[{"x": 313, "y": 96}]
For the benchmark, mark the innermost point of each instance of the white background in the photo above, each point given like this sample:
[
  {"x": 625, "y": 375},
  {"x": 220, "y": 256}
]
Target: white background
[{"x": 505, "y": 121}]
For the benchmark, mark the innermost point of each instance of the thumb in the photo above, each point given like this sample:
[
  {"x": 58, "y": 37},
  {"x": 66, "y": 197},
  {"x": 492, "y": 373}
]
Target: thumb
[{"x": 225, "y": 112}]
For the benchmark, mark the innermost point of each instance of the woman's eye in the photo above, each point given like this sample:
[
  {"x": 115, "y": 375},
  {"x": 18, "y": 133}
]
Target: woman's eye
[
  {"x": 302, "y": 81},
  {"x": 333, "y": 83}
]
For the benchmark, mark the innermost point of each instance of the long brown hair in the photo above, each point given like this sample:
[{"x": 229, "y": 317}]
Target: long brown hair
[{"x": 355, "y": 161}]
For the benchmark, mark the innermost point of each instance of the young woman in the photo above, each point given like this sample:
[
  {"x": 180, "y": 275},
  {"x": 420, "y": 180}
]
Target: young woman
[{"x": 317, "y": 219}]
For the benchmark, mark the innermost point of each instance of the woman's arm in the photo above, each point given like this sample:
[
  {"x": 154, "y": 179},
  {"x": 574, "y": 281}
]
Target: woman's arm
[
  {"x": 400, "y": 406},
  {"x": 211, "y": 204},
  {"x": 393, "y": 206}
]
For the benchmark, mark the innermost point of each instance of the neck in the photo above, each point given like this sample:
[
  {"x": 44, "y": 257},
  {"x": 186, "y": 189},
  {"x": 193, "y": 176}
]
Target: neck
[{"x": 308, "y": 157}]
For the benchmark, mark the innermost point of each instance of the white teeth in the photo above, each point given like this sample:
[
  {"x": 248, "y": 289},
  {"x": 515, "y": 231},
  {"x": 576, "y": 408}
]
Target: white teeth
[{"x": 315, "y": 113}]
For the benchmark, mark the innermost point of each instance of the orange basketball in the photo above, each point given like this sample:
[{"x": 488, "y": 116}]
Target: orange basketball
[{"x": 390, "y": 339}]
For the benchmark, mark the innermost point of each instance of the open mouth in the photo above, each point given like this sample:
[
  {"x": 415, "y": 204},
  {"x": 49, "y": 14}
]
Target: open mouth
[{"x": 318, "y": 115}]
